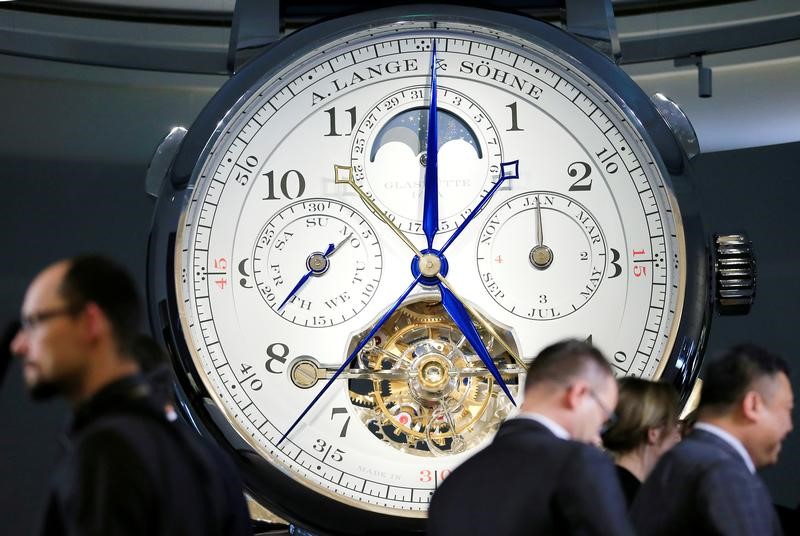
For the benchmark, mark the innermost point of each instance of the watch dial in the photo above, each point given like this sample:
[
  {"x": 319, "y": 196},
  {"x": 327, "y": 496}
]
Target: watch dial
[{"x": 284, "y": 265}]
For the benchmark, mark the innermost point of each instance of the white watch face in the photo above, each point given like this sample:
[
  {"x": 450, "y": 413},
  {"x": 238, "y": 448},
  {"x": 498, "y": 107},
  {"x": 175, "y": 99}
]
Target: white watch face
[{"x": 282, "y": 269}]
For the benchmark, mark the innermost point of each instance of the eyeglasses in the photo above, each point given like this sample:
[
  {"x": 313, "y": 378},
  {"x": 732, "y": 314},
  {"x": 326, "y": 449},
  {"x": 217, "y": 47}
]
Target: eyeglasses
[
  {"x": 30, "y": 321},
  {"x": 611, "y": 417}
]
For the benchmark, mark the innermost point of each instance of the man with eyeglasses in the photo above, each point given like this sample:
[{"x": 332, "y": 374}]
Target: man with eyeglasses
[
  {"x": 543, "y": 474},
  {"x": 128, "y": 468}
]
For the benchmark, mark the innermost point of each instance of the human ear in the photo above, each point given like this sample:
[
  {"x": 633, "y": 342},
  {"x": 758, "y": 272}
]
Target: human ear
[
  {"x": 94, "y": 320},
  {"x": 576, "y": 393},
  {"x": 752, "y": 405},
  {"x": 655, "y": 435}
]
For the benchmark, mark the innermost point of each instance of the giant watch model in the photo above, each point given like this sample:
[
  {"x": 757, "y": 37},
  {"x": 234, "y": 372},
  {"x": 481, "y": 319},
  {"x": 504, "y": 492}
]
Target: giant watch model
[{"x": 375, "y": 225}]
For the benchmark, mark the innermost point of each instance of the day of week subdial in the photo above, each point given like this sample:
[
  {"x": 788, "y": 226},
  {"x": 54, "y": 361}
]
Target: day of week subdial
[{"x": 317, "y": 263}]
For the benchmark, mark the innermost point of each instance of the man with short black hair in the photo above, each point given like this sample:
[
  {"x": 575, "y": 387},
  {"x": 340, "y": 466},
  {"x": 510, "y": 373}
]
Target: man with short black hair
[
  {"x": 707, "y": 484},
  {"x": 541, "y": 474},
  {"x": 128, "y": 469}
]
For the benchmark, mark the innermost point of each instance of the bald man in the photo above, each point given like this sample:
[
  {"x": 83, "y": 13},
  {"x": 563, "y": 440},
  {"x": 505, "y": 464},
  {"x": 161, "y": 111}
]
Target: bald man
[
  {"x": 542, "y": 473},
  {"x": 128, "y": 469}
]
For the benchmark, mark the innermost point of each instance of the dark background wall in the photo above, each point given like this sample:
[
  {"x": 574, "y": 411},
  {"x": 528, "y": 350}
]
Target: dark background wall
[
  {"x": 75, "y": 141},
  {"x": 74, "y": 146}
]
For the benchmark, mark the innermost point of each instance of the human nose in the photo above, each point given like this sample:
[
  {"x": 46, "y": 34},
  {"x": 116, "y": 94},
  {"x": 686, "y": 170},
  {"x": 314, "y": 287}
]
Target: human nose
[{"x": 19, "y": 344}]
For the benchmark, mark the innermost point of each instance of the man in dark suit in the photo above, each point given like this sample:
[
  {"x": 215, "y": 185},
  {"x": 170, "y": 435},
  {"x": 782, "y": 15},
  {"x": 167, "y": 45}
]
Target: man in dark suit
[
  {"x": 541, "y": 475},
  {"x": 707, "y": 484}
]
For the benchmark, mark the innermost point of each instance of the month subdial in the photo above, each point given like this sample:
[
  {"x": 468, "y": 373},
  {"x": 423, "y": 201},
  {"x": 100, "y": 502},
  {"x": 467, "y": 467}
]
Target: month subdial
[
  {"x": 541, "y": 255},
  {"x": 389, "y": 156},
  {"x": 317, "y": 263}
]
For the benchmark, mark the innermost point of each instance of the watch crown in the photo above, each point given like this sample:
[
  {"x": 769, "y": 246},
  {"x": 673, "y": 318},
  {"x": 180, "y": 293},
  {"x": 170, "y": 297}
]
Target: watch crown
[{"x": 735, "y": 272}]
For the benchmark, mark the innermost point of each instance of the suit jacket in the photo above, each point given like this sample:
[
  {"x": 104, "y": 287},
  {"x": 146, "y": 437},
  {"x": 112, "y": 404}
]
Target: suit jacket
[
  {"x": 528, "y": 481},
  {"x": 703, "y": 486}
]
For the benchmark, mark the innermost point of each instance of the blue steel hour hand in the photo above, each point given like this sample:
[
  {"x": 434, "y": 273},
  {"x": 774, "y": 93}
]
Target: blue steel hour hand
[
  {"x": 430, "y": 213},
  {"x": 462, "y": 319},
  {"x": 317, "y": 264},
  {"x": 508, "y": 171}
]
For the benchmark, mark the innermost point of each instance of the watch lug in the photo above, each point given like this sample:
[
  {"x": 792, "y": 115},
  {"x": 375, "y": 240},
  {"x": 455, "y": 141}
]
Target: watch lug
[
  {"x": 734, "y": 273},
  {"x": 678, "y": 123},
  {"x": 694, "y": 399},
  {"x": 260, "y": 514},
  {"x": 161, "y": 160},
  {"x": 256, "y": 24},
  {"x": 594, "y": 23}
]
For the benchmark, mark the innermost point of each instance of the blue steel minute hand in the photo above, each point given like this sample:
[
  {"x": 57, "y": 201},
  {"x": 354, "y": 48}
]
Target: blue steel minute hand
[
  {"x": 430, "y": 213},
  {"x": 430, "y": 224}
]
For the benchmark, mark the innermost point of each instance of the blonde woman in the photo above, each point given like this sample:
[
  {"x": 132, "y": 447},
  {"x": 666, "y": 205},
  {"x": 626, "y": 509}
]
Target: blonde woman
[{"x": 646, "y": 427}]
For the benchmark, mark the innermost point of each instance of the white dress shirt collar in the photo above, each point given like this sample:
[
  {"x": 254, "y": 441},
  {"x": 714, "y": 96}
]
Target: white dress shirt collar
[
  {"x": 558, "y": 430},
  {"x": 731, "y": 440}
]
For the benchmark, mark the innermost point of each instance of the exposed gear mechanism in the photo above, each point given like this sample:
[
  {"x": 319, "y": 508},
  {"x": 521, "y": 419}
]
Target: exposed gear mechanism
[{"x": 439, "y": 398}]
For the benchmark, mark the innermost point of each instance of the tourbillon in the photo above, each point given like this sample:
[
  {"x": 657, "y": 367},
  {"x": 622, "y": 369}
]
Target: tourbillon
[{"x": 376, "y": 224}]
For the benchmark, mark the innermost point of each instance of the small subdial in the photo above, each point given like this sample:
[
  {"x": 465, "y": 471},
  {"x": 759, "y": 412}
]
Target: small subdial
[
  {"x": 389, "y": 156},
  {"x": 317, "y": 263},
  {"x": 541, "y": 255}
]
